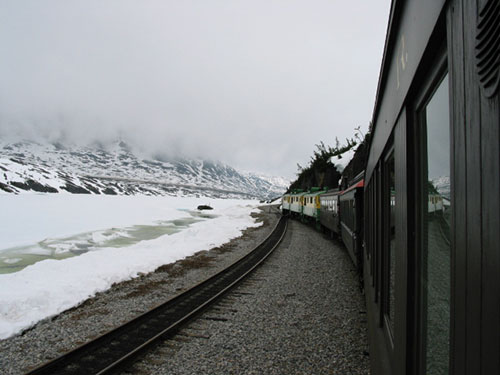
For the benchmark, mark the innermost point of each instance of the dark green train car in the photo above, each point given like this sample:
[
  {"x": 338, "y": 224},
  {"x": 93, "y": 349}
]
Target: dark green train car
[{"x": 432, "y": 185}]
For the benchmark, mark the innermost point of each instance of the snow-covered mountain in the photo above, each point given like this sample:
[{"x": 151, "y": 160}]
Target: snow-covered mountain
[
  {"x": 443, "y": 186},
  {"x": 118, "y": 169}
]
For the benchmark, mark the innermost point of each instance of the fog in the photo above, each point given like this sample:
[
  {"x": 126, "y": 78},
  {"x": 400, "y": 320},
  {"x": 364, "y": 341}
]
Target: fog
[{"x": 255, "y": 83}]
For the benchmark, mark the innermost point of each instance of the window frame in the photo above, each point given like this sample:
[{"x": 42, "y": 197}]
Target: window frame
[{"x": 435, "y": 74}]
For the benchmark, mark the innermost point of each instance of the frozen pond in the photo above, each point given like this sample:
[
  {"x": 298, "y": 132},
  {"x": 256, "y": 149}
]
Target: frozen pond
[
  {"x": 16, "y": 258},
  {"x": 57, "y": 250}
]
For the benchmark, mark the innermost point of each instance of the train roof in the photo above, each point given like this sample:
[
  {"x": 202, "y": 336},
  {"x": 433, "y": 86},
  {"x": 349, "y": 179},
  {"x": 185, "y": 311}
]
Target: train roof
[
  {"x": 315, "y": 193},
  {"x": 330, "y": 193},
  {"x": 359, "y": 184},
  {"x": 297, "y": 194}
]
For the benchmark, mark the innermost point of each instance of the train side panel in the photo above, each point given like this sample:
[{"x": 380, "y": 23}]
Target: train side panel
[
  {"x": 329, "y": 212},
  {"x": 312, "y": 206},
  {"x": 432, "y": 183},
  {"x": 296, "y": 204},
  {"x": 351, "y": 223},
  {"x": 285, "y": 204}
]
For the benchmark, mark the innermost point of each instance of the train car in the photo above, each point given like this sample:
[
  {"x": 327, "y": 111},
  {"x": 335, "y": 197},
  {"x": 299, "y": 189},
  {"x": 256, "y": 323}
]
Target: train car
[
  {"x": 329, "y": 211},
  {"x": 434, "y": 203},
  {"x": 432, "y": 183},
  {"x": 312, "y": 205},
  {"x": 351, "y": 220},
  {"x": 296, "y": 207},
  {"x": 285, "y": 204}
]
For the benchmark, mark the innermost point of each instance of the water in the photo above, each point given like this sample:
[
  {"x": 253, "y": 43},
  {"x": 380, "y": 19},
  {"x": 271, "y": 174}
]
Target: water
[{"x": 16, "y": 258}]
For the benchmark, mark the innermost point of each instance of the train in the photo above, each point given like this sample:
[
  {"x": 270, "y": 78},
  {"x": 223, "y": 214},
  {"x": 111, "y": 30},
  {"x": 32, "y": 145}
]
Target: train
[
  {"x": 338, "y": 212},
  {"x": 422, "y": 223},
  {"x": 341, "y": 213}
]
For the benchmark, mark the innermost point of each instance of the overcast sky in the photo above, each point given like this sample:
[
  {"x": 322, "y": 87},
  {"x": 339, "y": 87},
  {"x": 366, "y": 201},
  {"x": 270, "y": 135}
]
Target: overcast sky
[{"x": 252, "y": 83}]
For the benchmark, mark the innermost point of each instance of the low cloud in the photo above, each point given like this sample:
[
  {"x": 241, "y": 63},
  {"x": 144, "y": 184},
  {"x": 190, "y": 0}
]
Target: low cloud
[{"x": 253, "y": 83}]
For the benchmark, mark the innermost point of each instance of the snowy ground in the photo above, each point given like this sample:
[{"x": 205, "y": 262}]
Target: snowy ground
[{"x": 57, "y": 250}]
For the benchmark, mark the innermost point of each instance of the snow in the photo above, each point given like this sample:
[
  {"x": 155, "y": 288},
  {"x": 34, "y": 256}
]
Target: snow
[
  {"x": 51, "y": 286},
  {"x": 341, "y": 163}
]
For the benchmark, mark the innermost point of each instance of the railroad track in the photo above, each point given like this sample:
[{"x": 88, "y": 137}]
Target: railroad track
[{"x": 115, "y": 349}]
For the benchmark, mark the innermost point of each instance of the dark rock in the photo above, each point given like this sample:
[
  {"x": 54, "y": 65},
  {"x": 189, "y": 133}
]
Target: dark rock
[
  {"x": 17, "y": 161},
  {"x": 92, "y": 189},
  {"x": 204, "y": 207},
  {"x": 35, "y": 186},
  {"x": 75, "y": 189},
  {"x": 109, "y": 191},
  {"x": 7, "y": 188}
]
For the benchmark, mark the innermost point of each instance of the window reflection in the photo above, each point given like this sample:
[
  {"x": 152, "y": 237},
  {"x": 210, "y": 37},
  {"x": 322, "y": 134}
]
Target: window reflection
[{"x": 435, "y": 276}]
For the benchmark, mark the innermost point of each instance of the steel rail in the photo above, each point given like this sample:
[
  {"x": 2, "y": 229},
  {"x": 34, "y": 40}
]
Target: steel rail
[{"x": 114, "y": 349}]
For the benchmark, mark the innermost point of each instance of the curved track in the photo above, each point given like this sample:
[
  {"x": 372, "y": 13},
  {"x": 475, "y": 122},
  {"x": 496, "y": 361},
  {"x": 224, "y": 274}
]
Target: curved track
[{"x": 112, "y": 350}]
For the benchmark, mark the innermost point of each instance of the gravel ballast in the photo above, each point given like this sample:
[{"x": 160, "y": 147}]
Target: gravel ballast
[
  {"x": 301, "y": 312},
  {"x": 52, "y": 337}
]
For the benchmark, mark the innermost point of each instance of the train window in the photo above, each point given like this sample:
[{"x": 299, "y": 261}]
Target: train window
[{"x": 435, "y": 250}]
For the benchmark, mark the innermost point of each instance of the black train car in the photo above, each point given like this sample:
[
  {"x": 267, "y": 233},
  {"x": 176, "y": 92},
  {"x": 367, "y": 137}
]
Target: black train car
[
  {"x": 329, "y": 211},
  {"x": 351, "y": 220},
  {"x": 432, "y": 277}
]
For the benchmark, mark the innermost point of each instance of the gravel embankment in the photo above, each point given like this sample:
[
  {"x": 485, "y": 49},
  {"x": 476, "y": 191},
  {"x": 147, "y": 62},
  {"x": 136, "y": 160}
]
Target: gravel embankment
[
  {"x": 52, "y": 337},
  {"x": 300, "y": 313}
]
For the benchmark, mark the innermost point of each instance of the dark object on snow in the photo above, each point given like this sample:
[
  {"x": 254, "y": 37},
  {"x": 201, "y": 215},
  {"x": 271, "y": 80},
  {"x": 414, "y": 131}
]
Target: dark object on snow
[{"x": 204, "y": 207}]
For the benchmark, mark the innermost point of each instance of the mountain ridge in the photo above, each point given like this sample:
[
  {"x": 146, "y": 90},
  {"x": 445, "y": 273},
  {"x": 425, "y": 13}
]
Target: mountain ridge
[{"x": 119, "y": 169}]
